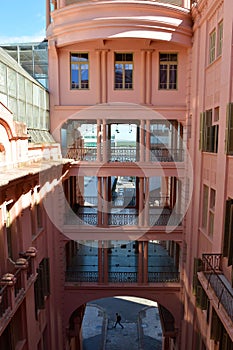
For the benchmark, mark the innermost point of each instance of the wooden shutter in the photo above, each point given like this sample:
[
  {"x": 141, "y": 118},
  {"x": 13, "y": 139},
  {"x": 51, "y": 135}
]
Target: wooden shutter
[
  {"x": 216, "y": 327},
  {"x": 202, "y": 132},
  {"x": 229, "y": 130},
  {"x": 230, "y": 244},
  {"x": 197, "y": 268},
  {"x": 201, "y": 298},
  {"x": 229, "y": 202}
]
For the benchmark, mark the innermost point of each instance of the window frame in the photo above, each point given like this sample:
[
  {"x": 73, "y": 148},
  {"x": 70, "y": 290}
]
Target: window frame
[
  {"x": 220, "y": 38},
  {"x": 212, "y": 46},
  {"x": 169, "y": 72},
  {"x": 79, "y": 86},
  {"x": 124, "y": 62}
]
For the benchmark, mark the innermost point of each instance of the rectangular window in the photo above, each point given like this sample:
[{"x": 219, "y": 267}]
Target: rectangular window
[
  {"x": 123, "y": 71},
  {"x": 220, "y": 38},
  {"x": 229, "y": 130},
  {"x": 208, "y": 133},
  {"x": 212, "y": 43},
  {"x": 168, "y": 71},
  {"x": 79, "y": 67},
  {"x": 216, "y": 114}
]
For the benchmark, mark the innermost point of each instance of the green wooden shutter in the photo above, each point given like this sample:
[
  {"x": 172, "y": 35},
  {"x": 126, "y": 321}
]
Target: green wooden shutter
[
  {"x": 229, "y": 130},
  {"x": 197, "y": 268},
  {"x": 202, "y": 131},
  {"x": 230, "y": 244},
  {"x": 216, "y": 327},
  {"x": 229, "y": 202},
  {"x": 201, "y": 298}
]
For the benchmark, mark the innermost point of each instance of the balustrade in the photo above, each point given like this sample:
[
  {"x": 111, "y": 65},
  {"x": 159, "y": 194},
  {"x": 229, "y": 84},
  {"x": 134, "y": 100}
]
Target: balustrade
[
  {"x": 163, "y": 276},
  {"x": 222, "y": 288},
  {"x": 162, "y": 217},
  {"x": 125, "y": 154},
  {"x": 121, "y": 276}
]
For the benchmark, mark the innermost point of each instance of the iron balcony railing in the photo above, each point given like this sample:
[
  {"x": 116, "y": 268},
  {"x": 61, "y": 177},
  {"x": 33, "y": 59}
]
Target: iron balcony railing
[
  {"x": 121, "y": 200},
  {"x": 223, "y": 290},
  {"x": 165, "y": 218},
  {"x": 163, "y": 276},
  {"x": 121, "y": 277},
  {"x": 126, "y": 154}
]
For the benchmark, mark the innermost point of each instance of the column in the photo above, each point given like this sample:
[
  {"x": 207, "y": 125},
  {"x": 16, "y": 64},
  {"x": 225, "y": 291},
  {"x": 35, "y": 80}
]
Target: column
[
  {"x": 61, "y": 3},
  {"x": 147, "y": 140},
  {"x": 164, "y": 191},
  {"x": 141, "y": 202},
  {"x": 100, "y": 262},
  {"x": 104, "y": 125},
  {"x": 146, "y": 205},
  {"x": 98, "y": 155},
  {"x": 105, "y": 262},
  {"x": 140, "y": 262},
  {"x": 98, "y": 75},
  {"x": 142, "y": 140},
  {"x": 143, "y": 77},
  {"x": 104, "y": 75},
  {"x": 54, "y": 72},
  {"x": 99, "y": 185},
  {"x": 47, "y": 13},
  {"x": 148, "y": 76},
  {"x": 145, "y": 262},
  {"x": 105, "y": 201}
]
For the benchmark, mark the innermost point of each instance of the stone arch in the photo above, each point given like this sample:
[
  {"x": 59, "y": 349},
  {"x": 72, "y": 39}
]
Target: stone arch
[
  {"x": 7, "y": 128},
  {"x": 169, "y": 299}
]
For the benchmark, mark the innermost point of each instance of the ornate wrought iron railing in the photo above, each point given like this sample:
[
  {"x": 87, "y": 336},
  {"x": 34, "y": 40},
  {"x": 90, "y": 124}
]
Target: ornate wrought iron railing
[
  {"x": 163, "y": 276},
  {"x": 121, "y": 277},
  {"x": 213, "y": 272},
  {"x": 81, "y": 276},
  {"x": 162, "y": 218},
  {"x": 124, "y": 154}
]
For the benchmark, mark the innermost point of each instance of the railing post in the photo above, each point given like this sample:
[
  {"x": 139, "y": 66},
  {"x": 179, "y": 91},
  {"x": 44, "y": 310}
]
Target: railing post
[{"x": 9, "y": 280}]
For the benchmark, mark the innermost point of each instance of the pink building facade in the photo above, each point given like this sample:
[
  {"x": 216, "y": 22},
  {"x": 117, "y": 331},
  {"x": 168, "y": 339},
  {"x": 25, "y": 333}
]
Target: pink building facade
[{"x": 141, "y": 110}]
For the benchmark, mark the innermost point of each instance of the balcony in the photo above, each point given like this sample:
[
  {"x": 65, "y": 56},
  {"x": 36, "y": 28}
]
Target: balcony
[
  {"x": 125, "y": 217},
  {"x": 123, "y": 264},
  {"x": 129, "y": 154},
  {"x": 212, "y": 270},
  {"x": 13, "y": 287}
]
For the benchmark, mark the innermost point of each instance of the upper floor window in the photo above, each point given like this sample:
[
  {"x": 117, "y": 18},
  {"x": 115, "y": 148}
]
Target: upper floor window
[
  {"x": 212, "y": 43},
  {"x": 168, "y": 71},
  {"x": 220, "y": 38},
  {"x": 79, "y": 67},
  {"x": 123, "y": 71},
  {"x": 208, "y": 133}
]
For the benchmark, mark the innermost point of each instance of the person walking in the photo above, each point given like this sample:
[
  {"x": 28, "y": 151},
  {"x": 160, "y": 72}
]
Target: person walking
[{"x": 118, "y": 321}]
